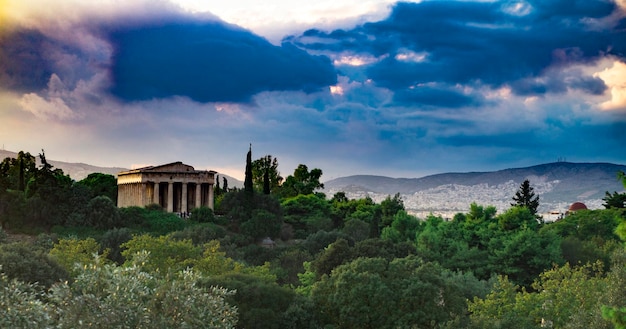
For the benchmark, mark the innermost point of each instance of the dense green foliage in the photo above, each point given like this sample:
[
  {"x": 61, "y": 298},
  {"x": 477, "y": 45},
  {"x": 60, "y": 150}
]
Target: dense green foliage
[{"x": 292, "y": 258}]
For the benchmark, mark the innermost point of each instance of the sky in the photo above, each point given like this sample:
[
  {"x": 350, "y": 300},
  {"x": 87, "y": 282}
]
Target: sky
[{"x": 401, "y": 89}]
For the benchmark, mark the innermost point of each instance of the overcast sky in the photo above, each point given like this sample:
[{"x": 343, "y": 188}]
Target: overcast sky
[{"x": 351, "y": 87}]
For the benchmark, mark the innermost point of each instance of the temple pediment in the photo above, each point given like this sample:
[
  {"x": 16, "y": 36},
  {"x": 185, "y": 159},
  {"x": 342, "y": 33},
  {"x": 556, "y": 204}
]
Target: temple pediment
[{"x": 170, "y": 167}]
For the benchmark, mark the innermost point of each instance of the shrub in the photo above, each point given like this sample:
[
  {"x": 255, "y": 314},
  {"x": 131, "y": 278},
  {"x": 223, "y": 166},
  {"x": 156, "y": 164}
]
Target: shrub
[
  {"x": 200, "y": 234},
  {"x": 26, "y": 263},
  {"x": 112, "y": 241}
]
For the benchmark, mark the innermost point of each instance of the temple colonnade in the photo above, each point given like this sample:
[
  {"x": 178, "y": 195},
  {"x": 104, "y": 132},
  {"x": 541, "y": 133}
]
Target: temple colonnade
[{"x": 176, "y": 187}]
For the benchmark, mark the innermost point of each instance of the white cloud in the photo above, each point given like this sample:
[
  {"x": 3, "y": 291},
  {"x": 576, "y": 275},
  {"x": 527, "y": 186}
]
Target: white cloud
[
  {"x": 354, "y": 60},
  {"x": 615, "y": 79},
  {"x": 277, "y": 18},
  {"x": 405, "y": 55}
]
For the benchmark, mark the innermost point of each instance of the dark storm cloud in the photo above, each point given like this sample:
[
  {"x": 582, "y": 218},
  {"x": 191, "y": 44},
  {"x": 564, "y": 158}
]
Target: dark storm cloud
[
  {"x": 23, "y": 64},
  {"x": 437, "y": 97},
  {"x": 159, "y": 56},
  {"x": 209, "y": 62},
  {"x": 492, "y": 43}
]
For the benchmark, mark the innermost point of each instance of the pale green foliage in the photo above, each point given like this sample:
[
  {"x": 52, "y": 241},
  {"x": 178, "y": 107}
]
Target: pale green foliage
[
  {"x": 563, "y": 297},
  {"x": 215, "y": 262},
  {"x": 614, "y": 308},
  {"x": 21, "y": 306},
  {"x": 68, "y": 252},
  {"x": 166, "y": 253},
  {"x": 108, "y": 296},
  {"x": 170, "y": 255},
  {"x": 307, "y": 279}
]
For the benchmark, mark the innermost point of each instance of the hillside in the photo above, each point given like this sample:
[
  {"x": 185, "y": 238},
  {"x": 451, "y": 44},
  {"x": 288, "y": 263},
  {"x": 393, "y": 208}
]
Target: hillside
[
  {"x": 76, "y": 171},
  {"x": 558, "y": 185}
]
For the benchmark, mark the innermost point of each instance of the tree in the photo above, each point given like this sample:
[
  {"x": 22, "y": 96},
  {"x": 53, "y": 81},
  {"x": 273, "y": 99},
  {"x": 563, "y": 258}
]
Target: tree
[
  {"x": 404, "y": 227},
  {"x": 378, "y": 293},
  {"x": 202, "y": 215},
  {"x": 615, "y": 200},
  {"x": 562, "y": 297},
  {"x": 307, "y": 214},
  {"x": 261, "y": 224},
  {"x": 70, "y": 252},
  {"x": 265, "y": 174},
  {"x": 101, "y": 185},
  {"x": 517, "y": 218},
  {"x": 108, "y": 296},
  {"x": 102, "y": 213},
  {"x": 302, "y": 181},
  {"x": 225, "y": 185},
  {"x": 525, "y": 197},
  {"x": 389, "y": 207},
  {"x": 260, "y": 304},
  {"x": 29, "y": 264},
  {"x": 165, "y": 253},
  {"x": 21, "y": 305},
  {"x": 247, "y": 184}
]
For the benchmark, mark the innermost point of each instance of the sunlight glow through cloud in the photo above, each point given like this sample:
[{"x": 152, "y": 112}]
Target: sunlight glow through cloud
[
  {"x": 355, "y": 60},
  {"x": 411, "y": 56},
  {"x": 615, "y": 78}
]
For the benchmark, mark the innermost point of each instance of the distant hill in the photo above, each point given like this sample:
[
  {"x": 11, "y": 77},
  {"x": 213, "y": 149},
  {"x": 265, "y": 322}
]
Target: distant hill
[
  {"x": 558, "y": 185},
  {"x": 78, "y": 171}
]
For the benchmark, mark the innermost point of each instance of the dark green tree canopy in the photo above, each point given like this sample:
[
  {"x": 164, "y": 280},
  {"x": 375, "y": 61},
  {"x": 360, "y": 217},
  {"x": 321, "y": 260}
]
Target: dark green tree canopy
[
  {"x": 265, "y": 175},
  {"x": 614, "y": 200},
  {"x": 525, "y": 197},
  {"x": 302, "y": 181},
  {"x": 101, "y": 185}
]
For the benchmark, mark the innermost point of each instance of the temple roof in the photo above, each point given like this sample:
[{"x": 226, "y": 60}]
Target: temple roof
[{"x": 173, "y": 167}]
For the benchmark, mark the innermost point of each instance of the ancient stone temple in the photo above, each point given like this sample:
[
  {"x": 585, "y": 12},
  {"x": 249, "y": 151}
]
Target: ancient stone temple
[{"x": 176, "y": 187}]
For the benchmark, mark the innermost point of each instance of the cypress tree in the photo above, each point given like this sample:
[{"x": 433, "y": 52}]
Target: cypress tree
[{"x": 247, "y": 185}]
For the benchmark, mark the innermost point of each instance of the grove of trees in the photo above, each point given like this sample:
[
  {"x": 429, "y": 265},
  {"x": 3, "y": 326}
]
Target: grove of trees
[{"x": 280, "y": 254}]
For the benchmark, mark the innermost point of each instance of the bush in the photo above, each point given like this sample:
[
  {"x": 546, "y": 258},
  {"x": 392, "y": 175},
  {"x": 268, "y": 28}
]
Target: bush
[
  {"x": 260, "y": 304},
  {"x": 26, "y": 263},
  {"x": 102, "y": 213},
  {"x": 46, "y": 241},
  {"x": 163, "y": 223},
  {"x": 206, "y": 215},
  {"x": 316, "y": 242},
  {"x": 200, "y": 234},
  {"x": 135, "y": 217},
  {"x": 112, "y": 241}
]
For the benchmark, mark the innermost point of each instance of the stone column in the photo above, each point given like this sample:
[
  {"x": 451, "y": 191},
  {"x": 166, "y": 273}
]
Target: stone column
[
  {"x": 155, "y": 198},
  {"x": 170, "y": 197},
  {"x": 198, "y": 195},
  {"x": 183, "y": 206},
  {"x": 211, "y": 196},
  {"x": 134, "y": 193}
]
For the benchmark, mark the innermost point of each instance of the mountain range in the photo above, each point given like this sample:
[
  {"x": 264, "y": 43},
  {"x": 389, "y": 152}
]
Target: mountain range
[{"x": 558, "y": 185}]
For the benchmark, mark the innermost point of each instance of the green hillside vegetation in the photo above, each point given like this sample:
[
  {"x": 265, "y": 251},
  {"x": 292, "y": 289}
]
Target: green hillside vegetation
[{"x": 280, "y": 254}]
